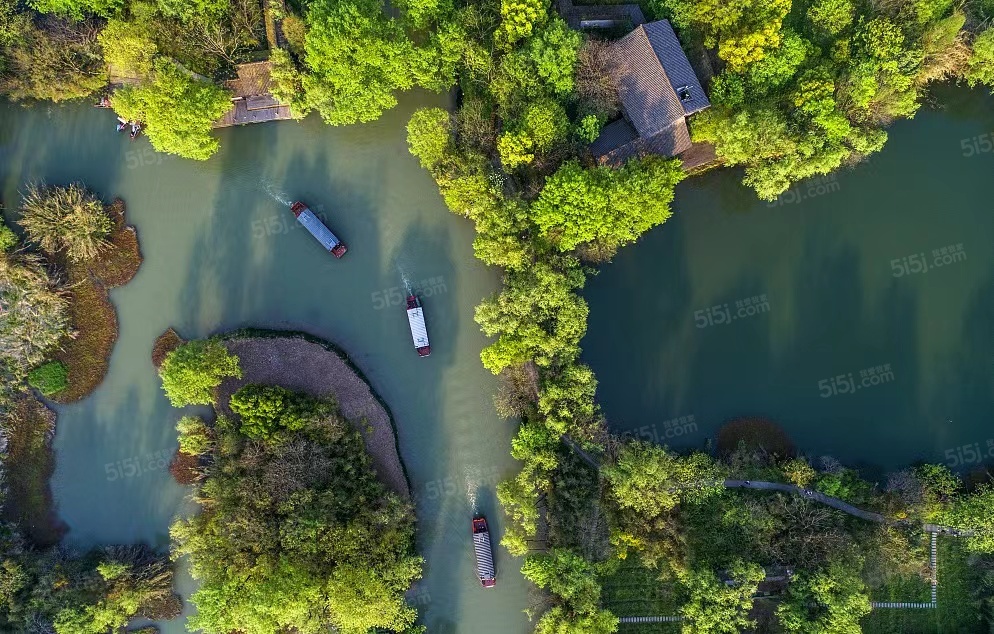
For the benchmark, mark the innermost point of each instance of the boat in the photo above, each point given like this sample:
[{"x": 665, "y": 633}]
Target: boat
[
  {"x": 419, "y": 332},
  {"x": 484, "y": 553},
  {"x": 318, "y": 229},
  {"x": 136, "y": 129},
  {"x": 121, "y": 124}
]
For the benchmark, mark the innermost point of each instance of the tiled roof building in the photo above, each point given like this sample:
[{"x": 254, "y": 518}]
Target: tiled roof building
[{"x": 658, "y": 89}]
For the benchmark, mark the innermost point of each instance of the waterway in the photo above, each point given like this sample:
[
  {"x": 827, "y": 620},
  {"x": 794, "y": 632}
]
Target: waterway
[
  {"x": 855, "y": 311},
  {"x": 221, "y": 252}
]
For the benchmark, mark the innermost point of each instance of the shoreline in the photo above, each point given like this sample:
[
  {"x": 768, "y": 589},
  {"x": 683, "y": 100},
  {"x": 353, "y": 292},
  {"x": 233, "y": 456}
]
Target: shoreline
[{"x": 275, "y": 357}]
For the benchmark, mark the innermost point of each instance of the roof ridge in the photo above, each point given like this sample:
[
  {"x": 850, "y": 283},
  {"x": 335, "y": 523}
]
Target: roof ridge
[{"x": 655, "y": 56}]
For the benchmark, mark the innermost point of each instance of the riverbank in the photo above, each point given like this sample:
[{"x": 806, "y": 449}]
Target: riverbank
[
  {"x": 306, "y": 364},
  {"x": 28, "y": 463},
  {"x": 94, "y": 319}
]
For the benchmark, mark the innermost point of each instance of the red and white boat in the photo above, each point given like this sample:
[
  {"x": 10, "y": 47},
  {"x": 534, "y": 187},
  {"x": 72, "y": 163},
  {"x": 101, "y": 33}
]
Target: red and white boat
[
  {"x": 484, "y": 553},
  {"x": 318, "y": 229},
  {"x": 419, "y": 332}
]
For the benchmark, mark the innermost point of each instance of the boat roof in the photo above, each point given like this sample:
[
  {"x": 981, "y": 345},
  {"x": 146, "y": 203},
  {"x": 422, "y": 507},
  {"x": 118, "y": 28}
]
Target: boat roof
[
  {"x": 418, "y": 330},
  {"x": 484, "y": 556},
  {"x": 318, "y": 229}
]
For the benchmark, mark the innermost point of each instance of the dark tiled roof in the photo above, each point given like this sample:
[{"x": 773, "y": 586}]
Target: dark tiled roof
[
  {"x": 613, "y": 136},
  {"x": 644, "y": 89},
  {"x": 669, "y": 141},
  {"x": 676, "y": 65}
]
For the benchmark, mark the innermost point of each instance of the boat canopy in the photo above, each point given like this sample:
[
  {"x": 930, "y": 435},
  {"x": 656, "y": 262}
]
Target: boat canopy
[
  {"x": 318, "y": 229},
  {"x": 484, "y": 557},
  {"x": 418, "y": 330}
]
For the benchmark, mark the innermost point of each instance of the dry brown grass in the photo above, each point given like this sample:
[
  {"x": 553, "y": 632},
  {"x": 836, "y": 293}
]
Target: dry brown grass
[
  {"x": 164, "y": 344},
  {"x": 185, "y": 468},
  {"x": 29, "y": 463},
  {"x": 93, "y": 316}
]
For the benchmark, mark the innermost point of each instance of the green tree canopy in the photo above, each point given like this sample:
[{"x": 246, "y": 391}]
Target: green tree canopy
[
  {"x": 69, "y": 220},
  {"x": 716, "y": 607},
  {"x": 177, "y": 109},
  {"x": 191, "y": 372},
  {"x": 827, "y": 601}
]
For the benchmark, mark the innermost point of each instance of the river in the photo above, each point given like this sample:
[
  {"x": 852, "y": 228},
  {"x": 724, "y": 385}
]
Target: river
[
  {"x": 221, "y": 252},
  {"x": 858, "y": 312}
]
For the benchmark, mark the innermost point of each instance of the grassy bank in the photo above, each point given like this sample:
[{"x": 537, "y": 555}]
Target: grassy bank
[
  {"x": 94, "y": 320},
  {"x": 29, "y": 463}
]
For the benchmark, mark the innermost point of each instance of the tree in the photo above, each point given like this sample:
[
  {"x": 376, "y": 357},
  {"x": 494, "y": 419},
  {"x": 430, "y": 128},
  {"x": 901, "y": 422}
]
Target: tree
[
  {"x": 605, "y": 205},
  {"x": 554, "y": 52},
  {"x": 287, "y": 82},
  {"x": 828, "y": 601},
  {"x": 429, "y": 136},
  {"x": 298, "y": 536},
  {"x": 77, "y": 9},
  {"x": 195, "y": 437},
  {"x": 573, "y": 581},
  {"x": 129, "y": 47},
  {"x": 537, "y": 317},
  {"x": 974, "y": 512},
  {"x": 272, "y": 414},
  {"x": 59, "y": 62},
  {"x": 357, "y": 58},
  {"x": 980, "y": 66},
  {"x": 178, "y": 110},
  {"x": 716, "y": 607},
  {"x": 519, "y": 19},
  {"x": 69, "y": 220},
  {"x": 560, "y": 621},
  {"x": 34, "y": 315},
  {"x": 192, "y": 371},
  {"x": 652, "y": 480}
]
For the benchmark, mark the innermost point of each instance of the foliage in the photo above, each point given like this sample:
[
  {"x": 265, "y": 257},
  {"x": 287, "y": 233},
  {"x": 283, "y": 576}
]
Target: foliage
[
  {"x": 8, "y": 239},
  {"x": 554, "y": 52},
  {"x": 58, "y": 62},
  {"x": 34, "y": 315},
  {"x": 651, "y": 480},
  {"x": 96, "y": 593},
  {"x": 605, "y": 205},
  {"x": 191, "y": 372},
  {"x": 287, "y": 82},
  {"x": 298, "y": 535},
  {"x": 537, "y": 317},
  {"x": 980, "y": 67},
  {"x": 716, "y": 607},
  {"x": 68, "y": 220},
  {"x": 273, "y": 414},
  {"x": 356, "y": 57},
  {"x": 519, "y": 19},
  {"x": 76, "y": 9},
  {"x": 128, "y": 46},
  {"x": 49, "y": 378},
  {"x": 975, "y": 511},
  {"x": 178, "y": 110},
  {"x": 827, "y": 601},
  {"x": 428, "y": 135},
  {"x": 195, "y": 437},
  {"x": 572, "y": 580}
]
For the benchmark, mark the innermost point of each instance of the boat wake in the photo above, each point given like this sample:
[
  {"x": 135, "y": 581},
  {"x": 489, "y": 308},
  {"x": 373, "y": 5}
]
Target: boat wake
[{"x": 276, "y": 195}]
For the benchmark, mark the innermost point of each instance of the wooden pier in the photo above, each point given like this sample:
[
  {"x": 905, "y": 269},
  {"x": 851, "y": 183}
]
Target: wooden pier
[{"x": 251, "y": 100}]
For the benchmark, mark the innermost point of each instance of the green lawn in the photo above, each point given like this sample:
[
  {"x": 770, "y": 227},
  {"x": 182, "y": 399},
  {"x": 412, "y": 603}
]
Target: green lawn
[{"x": 957, "y": 610}]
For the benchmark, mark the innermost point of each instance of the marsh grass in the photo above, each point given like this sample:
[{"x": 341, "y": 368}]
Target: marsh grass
[
  {"x": 70, "y": 221},
  {"x": 93, "y": 316}
]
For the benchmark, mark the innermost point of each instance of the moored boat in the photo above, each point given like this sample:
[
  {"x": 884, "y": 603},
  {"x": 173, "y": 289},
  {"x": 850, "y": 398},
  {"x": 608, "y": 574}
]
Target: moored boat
[
  {"x": 419, "y": 332},
  {"x": 484, "y": 553},
  {"x": 318, "y": 229}
]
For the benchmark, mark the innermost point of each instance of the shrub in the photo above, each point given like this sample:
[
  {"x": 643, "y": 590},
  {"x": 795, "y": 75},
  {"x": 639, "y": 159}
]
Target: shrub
[
  {"x": 49, "y": 378},
  {"x": 269, "y": 412},
  {"x": 191, "y": 372},
  {"x": 8, "y": 239},
  {"x": 66, "y": 219},
  {"x": 194, "y": 435}
]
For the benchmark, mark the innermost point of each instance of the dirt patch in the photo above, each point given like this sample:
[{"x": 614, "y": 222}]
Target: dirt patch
[
  {"x": 164, "y": 344},
  {"x": 314, "y": 368},
  {"x": 756, "y": 433},
  {"x": 29, "y": 462},
  {"x": 87, "y": 355}
]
